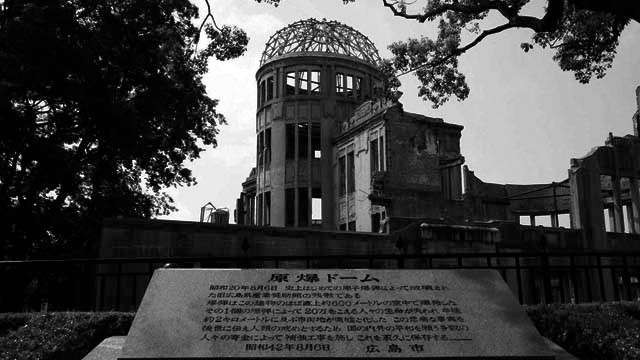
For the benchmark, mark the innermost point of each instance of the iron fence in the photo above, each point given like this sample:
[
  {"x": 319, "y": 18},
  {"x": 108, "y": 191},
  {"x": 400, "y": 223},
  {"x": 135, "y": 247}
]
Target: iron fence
[{"x": 118, "y": 284}]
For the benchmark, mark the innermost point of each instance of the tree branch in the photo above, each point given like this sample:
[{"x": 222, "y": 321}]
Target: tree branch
[
  {"x": 204, "y": 21},
  {"x": 461, "y": 50},
  {"x": 482, "y": 6},
  {"x": 549, "y": 22}
]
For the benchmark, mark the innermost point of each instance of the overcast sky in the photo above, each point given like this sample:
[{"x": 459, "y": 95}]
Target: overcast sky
[{"x": 523, "y": 120}]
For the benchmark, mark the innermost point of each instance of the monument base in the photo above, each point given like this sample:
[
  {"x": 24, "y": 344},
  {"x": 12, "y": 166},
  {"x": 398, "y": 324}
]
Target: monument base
[{"x": 111, "y": 348}]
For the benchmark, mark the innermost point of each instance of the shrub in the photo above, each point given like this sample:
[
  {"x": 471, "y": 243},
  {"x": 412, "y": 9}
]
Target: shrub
[
  {"x": 54, "y": 336},
  {"x": 11, "y": 321},
  {"x": 592, "y": 331}
]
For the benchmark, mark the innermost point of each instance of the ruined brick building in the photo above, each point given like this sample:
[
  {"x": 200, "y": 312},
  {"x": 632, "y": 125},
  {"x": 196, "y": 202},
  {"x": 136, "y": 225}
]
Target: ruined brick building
[
  {"x": 344, "y": 178},
  {"x": 341, "y": 170},
  {"x": 326, "y": 140}
]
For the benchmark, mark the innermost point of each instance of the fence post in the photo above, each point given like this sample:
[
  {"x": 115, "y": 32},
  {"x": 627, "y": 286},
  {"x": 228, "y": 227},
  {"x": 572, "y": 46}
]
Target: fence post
[
  {"x": 614, "y": 283},
  {"x": 546, "y": 279},
  {"x": 603, "y": 293},
  {"x": 626, "y": 278},
  {"x": 574, "y": 278},
  {"x": 519, "y": 280},
  {"x": 118, "y": 286}
]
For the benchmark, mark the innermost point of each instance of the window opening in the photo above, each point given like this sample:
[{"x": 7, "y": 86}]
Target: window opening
[
  {"x": 375, "y": 222},
  {"x": 352, "y": 226},
  {"x": 303, "y": 141},
  {"x": 349, "y": 85},
  {"x": 625, "y": 219},
  {"x": 316, "y": 211},
  {"x": 377, "y": 152},
  {"x": 303, "y": 206},
  {"x": 290, "y": 87},
  {"x": 607, "y": 219},
  {"x": 374, "y": 155},
  {"x": 290, "y": 139},
  {"x": 543, "y": 220},
  {"x": 267, "y": 147},
  {"x": 261, "y": 96},
  {"x": 358, "y": 86},
  {"x": 315, "y": 140},
  {"x": 303, "y": 82},
  {"x": 289, "y": 204},
  {"x": 260, "y": 147},
  {"x": 351, "y": 180},
  {"x": 382, "y": 155},
  {"x": 267, "y": 208},
  {"x": 270, "y": 88},
  {"x": 340, "y": 84},
  {"x": 315, "y": 82},
  {"x": 342, "y": 175},
  {"x": 259, "y": 210},
  {"x": 316, "y": 206}
]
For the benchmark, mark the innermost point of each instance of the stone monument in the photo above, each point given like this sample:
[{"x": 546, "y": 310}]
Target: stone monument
[{"x": 337, "y": 313}]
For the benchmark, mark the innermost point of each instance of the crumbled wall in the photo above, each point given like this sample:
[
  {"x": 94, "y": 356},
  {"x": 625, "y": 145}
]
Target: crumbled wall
[{"x": 417, "y": 147}]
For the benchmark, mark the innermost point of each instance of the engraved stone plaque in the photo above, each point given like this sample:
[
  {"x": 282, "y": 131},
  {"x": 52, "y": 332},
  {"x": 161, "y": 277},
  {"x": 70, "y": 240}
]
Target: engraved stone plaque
[{"x": 337, "y": 313}]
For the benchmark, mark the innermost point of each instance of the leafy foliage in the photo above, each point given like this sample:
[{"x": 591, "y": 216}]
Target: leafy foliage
[
  {"x": 583, "y": 34},
  {"x": 592, "y": 331},
  {"x": 585, "y": 43},
  {"x": 59, "y": 335},
  {"x": 234, "y": 44},
  {"x": 589, "y": 331},
  {"x": 101, "y": 105}
]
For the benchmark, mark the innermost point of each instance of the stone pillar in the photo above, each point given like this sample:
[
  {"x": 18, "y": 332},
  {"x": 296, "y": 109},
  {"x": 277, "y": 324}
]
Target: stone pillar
[
  {"x": 554, "y": 220},
  {"x": 532, "y": 220},
  {"x": 586, "y": 203},
  {"x": 587, "y": 215},
  {"x": 618, "y": 214},
  {"x": 328, "y": 196},
  {"x": 277, "y": 172}
]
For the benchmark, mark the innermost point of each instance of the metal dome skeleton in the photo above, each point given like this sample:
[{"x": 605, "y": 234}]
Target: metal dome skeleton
[{"x": 315, "y": 36}]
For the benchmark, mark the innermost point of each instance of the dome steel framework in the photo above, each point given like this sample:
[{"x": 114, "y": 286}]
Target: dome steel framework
[{"x": 313, "y": 36}]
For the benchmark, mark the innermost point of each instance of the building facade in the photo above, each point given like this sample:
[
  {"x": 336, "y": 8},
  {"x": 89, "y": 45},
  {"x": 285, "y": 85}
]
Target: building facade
[
  {"x": 346, "y": 179},
  {"x": 323, "y": 159},
  {"x": 334, "y": 154},
  {"x": 312, "y": 76},
  {"x": 394, "y": 164}
]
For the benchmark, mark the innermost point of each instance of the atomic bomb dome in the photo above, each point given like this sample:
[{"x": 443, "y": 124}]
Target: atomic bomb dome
[{"x": 321, "y": 37}]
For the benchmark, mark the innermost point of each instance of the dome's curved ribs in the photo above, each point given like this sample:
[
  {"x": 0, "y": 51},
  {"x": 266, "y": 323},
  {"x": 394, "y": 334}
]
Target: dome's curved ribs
[
  {"x": 364, "y": 46},
  {"x": 337, "y": 46},
  {"x": 312, "y": 35},
  {"x": 300, "y": 33}
]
